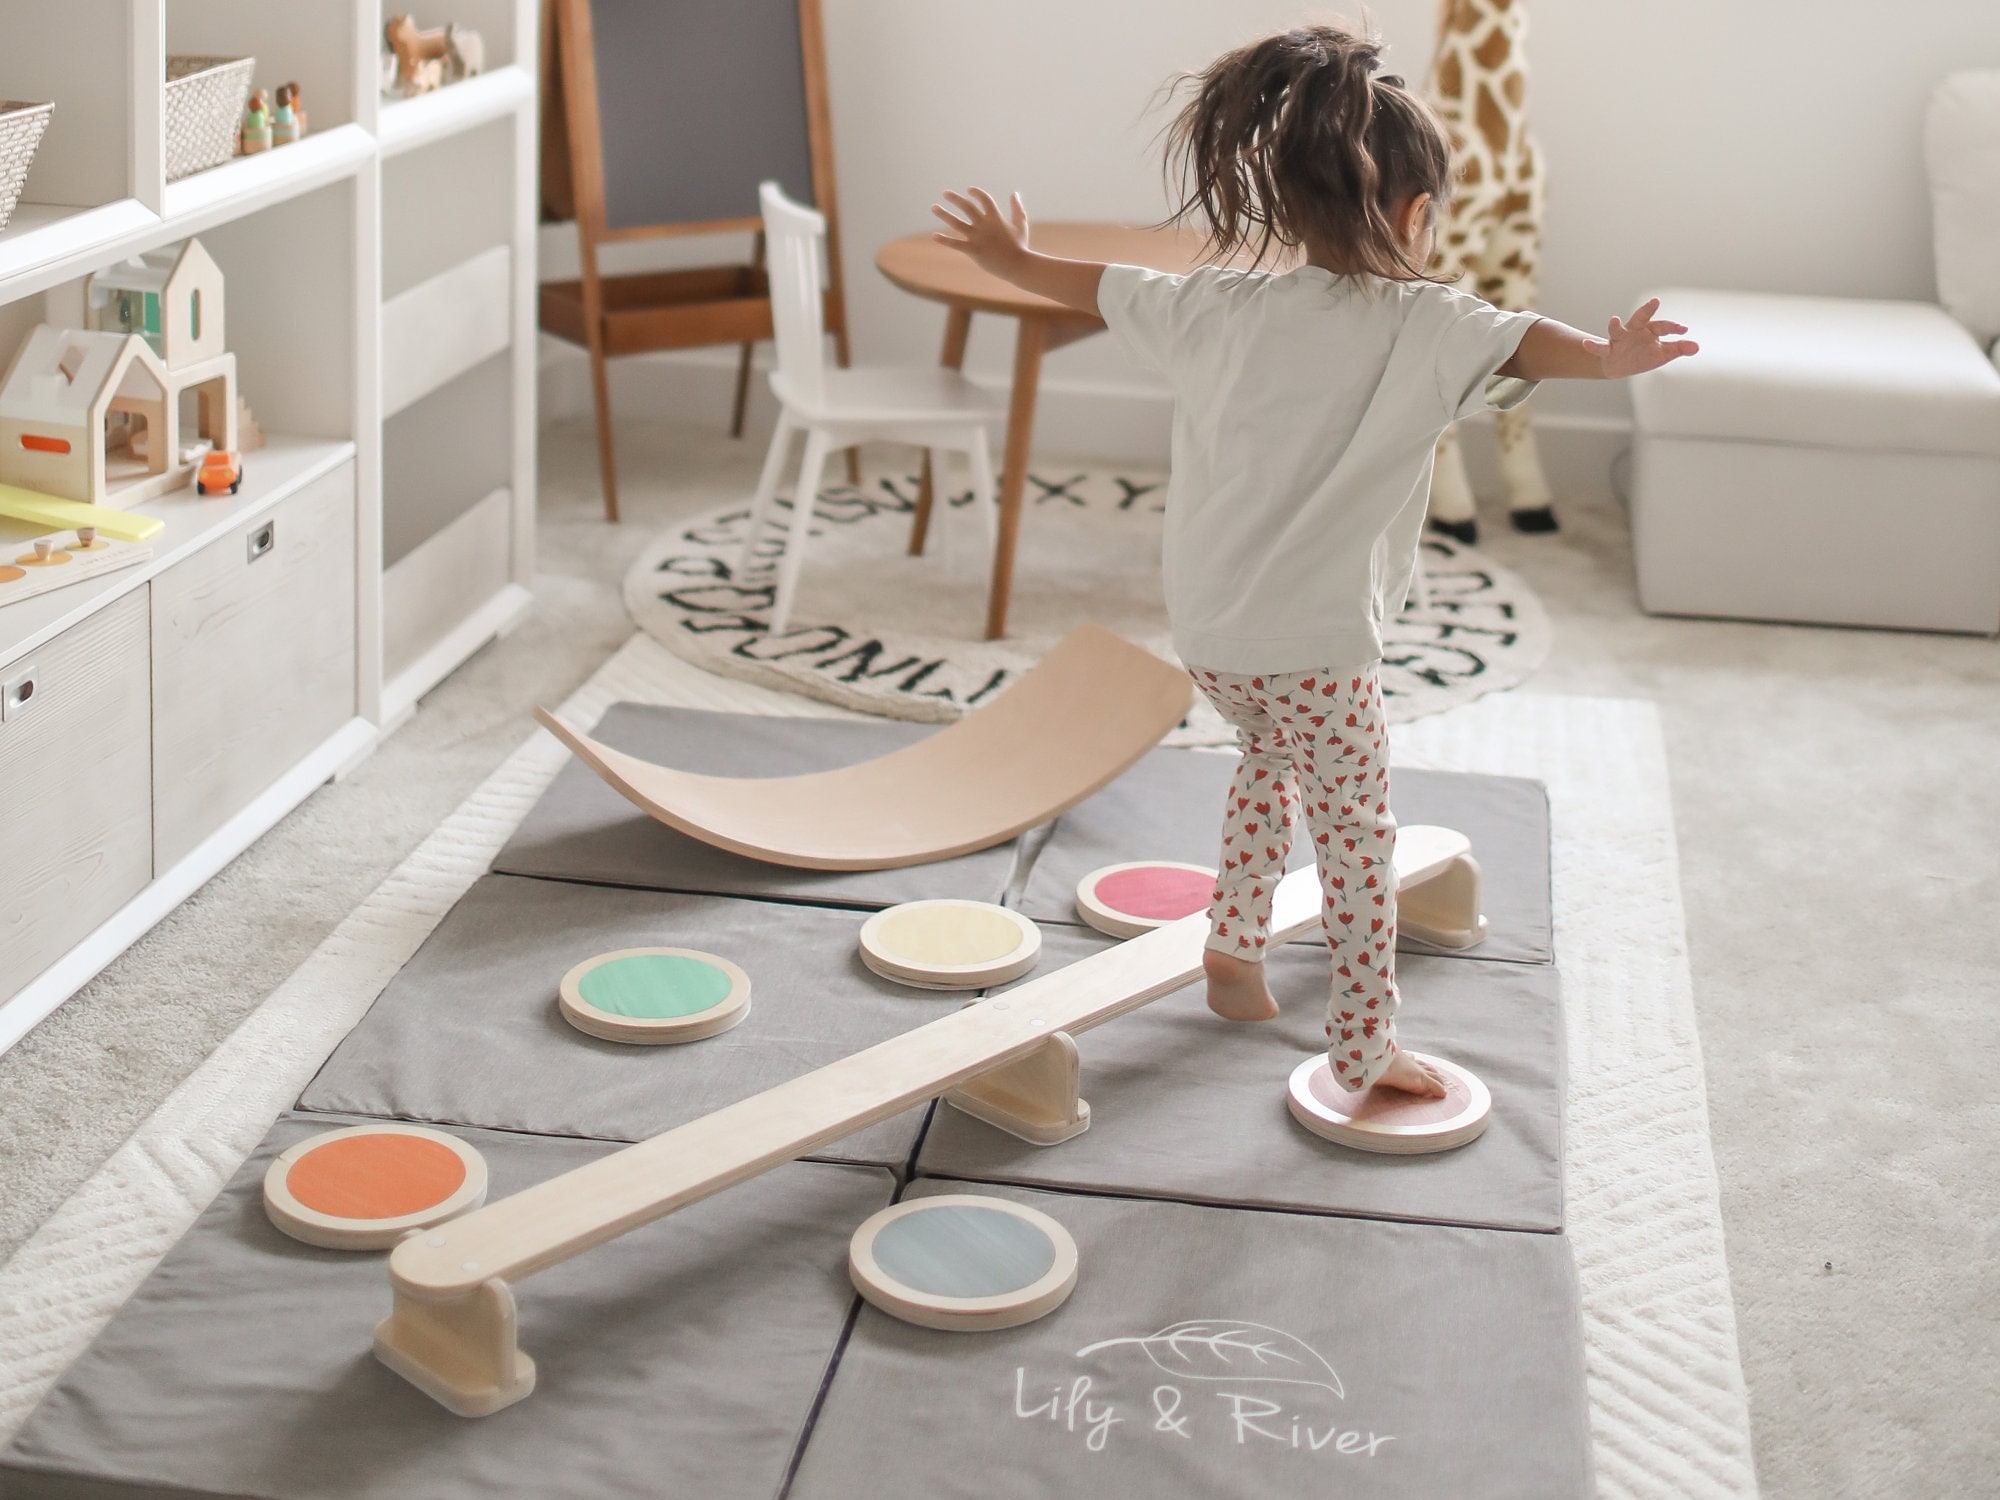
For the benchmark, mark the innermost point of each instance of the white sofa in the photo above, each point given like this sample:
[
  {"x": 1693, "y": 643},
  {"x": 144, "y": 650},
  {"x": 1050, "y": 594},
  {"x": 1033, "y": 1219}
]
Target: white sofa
[{"x": 1838, "y": 461}]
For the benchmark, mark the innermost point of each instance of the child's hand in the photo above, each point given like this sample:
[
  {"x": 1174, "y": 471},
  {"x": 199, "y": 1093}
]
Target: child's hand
[
  {"x": 1636, "y": 346},
  {"x": 994, "y": 240}
]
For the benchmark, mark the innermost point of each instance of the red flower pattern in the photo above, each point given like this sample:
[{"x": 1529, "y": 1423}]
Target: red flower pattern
[{"x": 1342, "y": 783}]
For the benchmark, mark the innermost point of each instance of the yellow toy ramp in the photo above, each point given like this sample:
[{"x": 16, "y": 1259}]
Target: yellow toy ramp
[
  {"x": 1086, "y": 711},
  {"x": 58, "y": 514}
]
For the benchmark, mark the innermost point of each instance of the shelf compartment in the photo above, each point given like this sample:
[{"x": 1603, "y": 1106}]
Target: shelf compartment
[
  {"x": 439, "y": 329},
  {"x": 79, "y": 56},
  {"x": 437, "y": 590},
  {"x": 312, "y": 45},
  {"x": 454, "y": 109},
  {"x": 439, "y": 208},
  {"x": 445, "y": 454}
]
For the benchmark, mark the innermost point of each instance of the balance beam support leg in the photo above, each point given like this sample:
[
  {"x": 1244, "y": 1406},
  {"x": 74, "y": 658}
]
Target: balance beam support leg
[
  {"x": 1445, "y": 908},
  {"x": 461, "y": 1353},
  {"x": 1033, "y": 1098}
]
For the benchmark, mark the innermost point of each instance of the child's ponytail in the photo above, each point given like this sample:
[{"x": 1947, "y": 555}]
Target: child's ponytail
[{"x": 1297, "y": 140}]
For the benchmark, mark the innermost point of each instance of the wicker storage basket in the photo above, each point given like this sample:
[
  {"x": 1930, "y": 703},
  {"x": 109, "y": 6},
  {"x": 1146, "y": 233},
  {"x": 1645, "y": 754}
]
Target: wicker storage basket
[
  {"x": 21, "y": 127},
  {"x": 205, "y": 99}
]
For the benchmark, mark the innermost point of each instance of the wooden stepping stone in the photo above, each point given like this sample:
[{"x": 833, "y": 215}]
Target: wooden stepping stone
[
  {"x": 1389, "y": 1120},
  {"x": 1125, "y": 900},
  {"x": 963, "y": 1262},
  {"x": 653, "y": 996},
  {"x": 950, "y": 944},
  {"x": 365, "y": 1187}
]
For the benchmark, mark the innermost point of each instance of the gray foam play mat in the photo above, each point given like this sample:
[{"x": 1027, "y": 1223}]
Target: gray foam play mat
[
  {"x": 702, "y": 1354},
  {"x": 683, "y": 1359},
  {"x": 1264, "y": 1355},
  {"x": 877, "y": 630}
]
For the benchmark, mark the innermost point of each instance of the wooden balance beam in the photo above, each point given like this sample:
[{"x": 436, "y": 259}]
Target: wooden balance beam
[
  {"x": 1085, "y": 712},
  {"x": 1010, "y": 1060}
]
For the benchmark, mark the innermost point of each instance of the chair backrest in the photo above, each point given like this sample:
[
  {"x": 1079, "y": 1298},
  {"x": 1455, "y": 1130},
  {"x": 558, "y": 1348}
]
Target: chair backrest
[
  {"x": 793, "y": 235},
  {"x": 1962, "y": 145}
]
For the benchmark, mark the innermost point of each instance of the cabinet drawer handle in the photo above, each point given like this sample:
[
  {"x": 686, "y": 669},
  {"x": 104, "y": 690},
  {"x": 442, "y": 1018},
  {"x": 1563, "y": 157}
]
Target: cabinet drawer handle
[
  {"x": 19, "y": 692},
  {"x": 263, "y": 539}
]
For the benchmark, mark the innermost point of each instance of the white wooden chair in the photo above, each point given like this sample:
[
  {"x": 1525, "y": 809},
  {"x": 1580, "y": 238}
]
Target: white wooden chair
[{"x": 934, "y": 408}]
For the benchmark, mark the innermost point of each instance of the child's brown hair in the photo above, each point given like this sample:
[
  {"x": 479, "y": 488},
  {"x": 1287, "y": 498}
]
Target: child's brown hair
[{"x": 1294, "y": 140}]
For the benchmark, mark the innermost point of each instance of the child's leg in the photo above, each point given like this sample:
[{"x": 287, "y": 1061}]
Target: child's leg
[
  {"x": 1256, "y": 838},
  {"x": 1342, "y": 747}
]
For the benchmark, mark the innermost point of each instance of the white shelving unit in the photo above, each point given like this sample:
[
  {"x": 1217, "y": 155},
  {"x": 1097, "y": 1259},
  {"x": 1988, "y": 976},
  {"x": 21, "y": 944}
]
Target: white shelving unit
[{"x": 380, "y": 281}]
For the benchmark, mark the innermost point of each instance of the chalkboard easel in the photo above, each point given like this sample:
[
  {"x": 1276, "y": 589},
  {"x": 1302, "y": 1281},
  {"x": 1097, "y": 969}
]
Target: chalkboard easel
[{"x": 660, "y": 118}]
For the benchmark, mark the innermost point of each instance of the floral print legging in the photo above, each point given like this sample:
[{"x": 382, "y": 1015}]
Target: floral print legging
[{"x": 1316, "y": 744}]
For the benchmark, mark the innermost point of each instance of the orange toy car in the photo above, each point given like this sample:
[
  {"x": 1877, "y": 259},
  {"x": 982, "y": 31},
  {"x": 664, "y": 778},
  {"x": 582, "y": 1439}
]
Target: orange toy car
[{"x": 221, "y": 472}]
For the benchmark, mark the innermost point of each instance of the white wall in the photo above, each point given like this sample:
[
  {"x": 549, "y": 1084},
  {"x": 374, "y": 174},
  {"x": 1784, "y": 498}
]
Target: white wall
[{"x": 1761, "y": 144}]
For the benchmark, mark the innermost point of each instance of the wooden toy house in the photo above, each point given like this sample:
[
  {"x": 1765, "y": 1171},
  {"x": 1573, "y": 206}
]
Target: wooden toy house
[
  {"x": 84, "y": 415},
  {"x": 172, "y": 297},
  {"x": 123, "y": 410}
]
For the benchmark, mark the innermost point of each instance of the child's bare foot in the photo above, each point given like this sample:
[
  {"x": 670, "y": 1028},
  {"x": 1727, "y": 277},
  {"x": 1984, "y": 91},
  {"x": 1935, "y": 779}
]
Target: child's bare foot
[
  {"x": 1412, "y": 1077},
  {"x": 1236, "y": 988}
]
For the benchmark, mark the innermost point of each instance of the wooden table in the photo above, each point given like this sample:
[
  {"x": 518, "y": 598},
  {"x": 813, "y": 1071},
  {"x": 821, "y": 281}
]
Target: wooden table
[{"x": 920, "y": 265}]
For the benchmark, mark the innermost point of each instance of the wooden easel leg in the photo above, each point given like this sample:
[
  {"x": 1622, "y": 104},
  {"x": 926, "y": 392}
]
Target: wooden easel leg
[
  {"x": 1444, "y": 910},
  {"x": 600, "y": 389},
  {"x": 1034, "y": 1098},
  {"x": 1014, "y": 468},
  {"x": 957, "y": 325},
  {"x": 462, "y": 1354}
]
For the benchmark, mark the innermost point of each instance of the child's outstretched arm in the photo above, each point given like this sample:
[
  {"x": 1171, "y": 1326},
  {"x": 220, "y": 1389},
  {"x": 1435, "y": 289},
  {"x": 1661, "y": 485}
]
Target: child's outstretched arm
[
  {"x": 999, "y": 243},
  {"x": 1555, "y": 351}
]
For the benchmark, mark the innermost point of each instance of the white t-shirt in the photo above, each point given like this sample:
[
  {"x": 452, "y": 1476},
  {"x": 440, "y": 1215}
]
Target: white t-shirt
[{"x": 1306, "y": 410}]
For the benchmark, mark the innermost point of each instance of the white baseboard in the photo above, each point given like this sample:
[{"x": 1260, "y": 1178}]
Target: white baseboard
[{"x": 1116, "y": 424}]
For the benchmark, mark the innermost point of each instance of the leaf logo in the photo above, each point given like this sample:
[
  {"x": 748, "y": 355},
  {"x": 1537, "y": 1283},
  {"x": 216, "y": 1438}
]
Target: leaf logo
[{"x": 1215, "y": 1349}]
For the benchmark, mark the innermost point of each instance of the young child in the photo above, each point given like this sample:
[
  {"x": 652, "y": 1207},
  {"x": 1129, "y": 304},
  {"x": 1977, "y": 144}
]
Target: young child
[{"x": 1307, "y": 405}]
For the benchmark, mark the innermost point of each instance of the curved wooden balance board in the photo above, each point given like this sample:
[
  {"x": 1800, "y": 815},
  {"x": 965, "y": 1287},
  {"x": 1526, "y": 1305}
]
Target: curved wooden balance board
[
  {"x": 1010, "y": 1060},
  {"x": 1086, "y": 712}
]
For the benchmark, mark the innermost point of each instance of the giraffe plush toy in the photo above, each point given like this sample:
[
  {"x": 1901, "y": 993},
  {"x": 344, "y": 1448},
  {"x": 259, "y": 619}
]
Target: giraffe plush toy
[{"x": 1492, "y": 238}]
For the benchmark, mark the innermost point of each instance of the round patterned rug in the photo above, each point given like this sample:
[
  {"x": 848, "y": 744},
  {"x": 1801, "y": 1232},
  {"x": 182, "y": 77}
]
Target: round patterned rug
[{"x": 877, "y": 630}]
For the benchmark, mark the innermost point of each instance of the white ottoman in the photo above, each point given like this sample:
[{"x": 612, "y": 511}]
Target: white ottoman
[{"x": 1820, "y": 460}]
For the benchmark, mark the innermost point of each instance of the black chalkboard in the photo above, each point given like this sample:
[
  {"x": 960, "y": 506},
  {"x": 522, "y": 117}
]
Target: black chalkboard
[{"x": 698, "y": 101}]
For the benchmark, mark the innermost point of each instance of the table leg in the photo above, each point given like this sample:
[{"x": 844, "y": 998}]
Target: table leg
[
  {"x": 957, "y": 324},
  {"x": 1028, "y": 347}
]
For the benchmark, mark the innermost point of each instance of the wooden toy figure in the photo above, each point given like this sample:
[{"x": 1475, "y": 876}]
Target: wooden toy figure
[
  {"x": 285, "y": 127},
  {"x": 427, "y": 59},
  {"x": 257, "y": 124}
]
